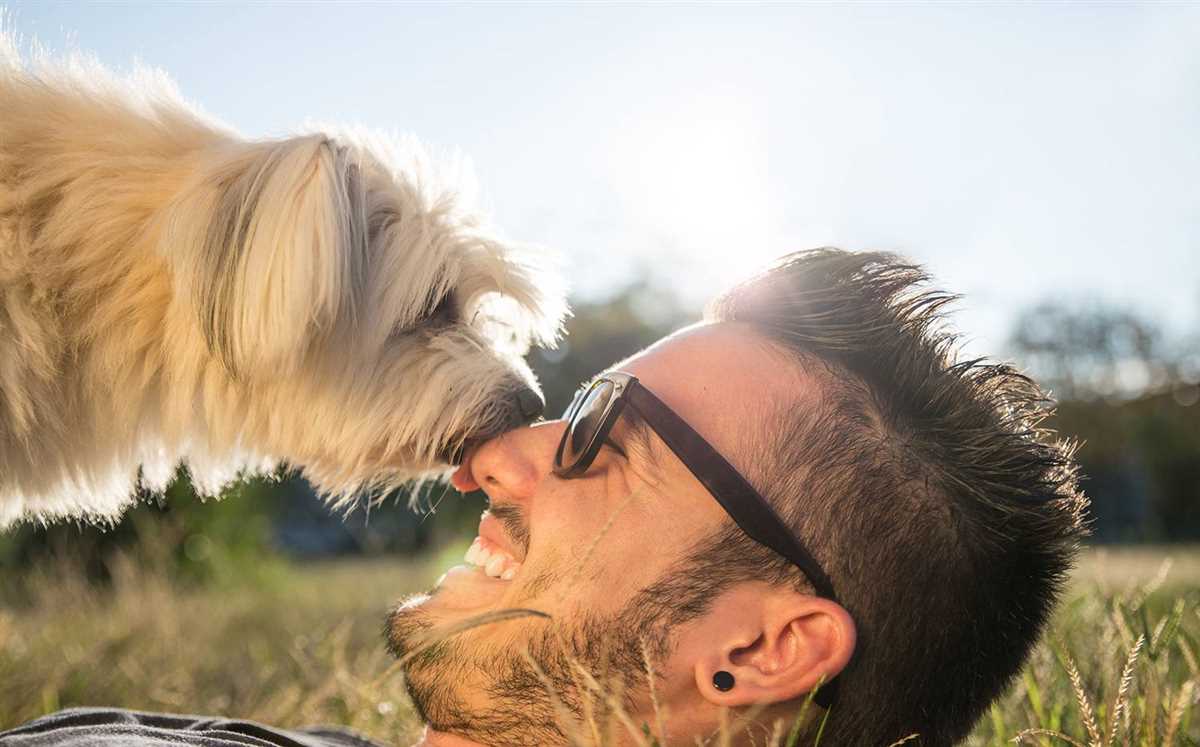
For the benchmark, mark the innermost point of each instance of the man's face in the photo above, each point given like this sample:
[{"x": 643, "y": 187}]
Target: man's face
[{"x": 581, "y": 550}]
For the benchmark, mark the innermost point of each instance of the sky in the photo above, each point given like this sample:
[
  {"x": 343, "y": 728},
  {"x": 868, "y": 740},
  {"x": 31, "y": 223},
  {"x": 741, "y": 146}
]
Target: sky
[{"x": 1020, "y": 152}]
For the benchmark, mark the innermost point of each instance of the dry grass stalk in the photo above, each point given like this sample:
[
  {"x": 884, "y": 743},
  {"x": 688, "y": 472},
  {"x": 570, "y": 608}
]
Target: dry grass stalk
[
  {"x": 1144, "y": 593},
  {"x": 749, "y": 719},
  {"x": 1188, "y": 656},
  {"x": 1121, "y": 626},
  {"x": 660, "y": 713},
  {"x": 798, "y": 723},
  {"x": 566, "y": 721},
  {"x": 1030, "y": 733},
  {"x": 1182, "y": 700},
  {"x": 438, "y": 635},
  {"x": 613, "y": 698},
  {"x": 1121, "y": 700},
  {"x": 1085, "y": 703},
  {"x": 66, "y": 643},
  {"x": 776, "y": 739},
  {"x": 587, "y": 696},
  {"x": 724, "y": 733},
  {"x": 591, "y": 548}
]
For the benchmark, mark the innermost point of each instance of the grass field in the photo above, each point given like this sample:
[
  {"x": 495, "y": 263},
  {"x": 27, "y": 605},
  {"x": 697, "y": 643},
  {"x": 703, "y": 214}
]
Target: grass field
[{"x": 297, "y": 645}]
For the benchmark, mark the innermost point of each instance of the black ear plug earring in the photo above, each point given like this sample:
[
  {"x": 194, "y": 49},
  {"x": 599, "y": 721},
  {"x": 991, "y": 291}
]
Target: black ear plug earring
[{"x": 723, "y": 681}]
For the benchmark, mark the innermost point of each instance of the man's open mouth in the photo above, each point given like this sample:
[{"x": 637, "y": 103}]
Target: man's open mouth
[
  {"x": 492, "y": 552},
  {"x": 492, "y": 560},
  {"x": 491, "y": 563}
]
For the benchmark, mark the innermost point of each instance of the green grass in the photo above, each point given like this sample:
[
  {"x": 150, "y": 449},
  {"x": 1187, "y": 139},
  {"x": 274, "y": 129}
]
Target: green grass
[{"x": 298, "y": 645}]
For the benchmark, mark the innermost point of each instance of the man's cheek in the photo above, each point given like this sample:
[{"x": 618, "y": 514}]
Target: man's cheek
[
  {"x": 606, "y": 586},
  {"x": 536, "y": 583}
]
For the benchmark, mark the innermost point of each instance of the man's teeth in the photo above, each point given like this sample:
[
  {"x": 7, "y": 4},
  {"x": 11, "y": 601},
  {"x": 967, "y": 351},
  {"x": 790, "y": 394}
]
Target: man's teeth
[{"x": 493, "y": 561}]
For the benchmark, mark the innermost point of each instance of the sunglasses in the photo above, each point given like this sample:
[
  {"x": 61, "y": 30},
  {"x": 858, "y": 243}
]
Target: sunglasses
[{"x": 595, "y": 411}]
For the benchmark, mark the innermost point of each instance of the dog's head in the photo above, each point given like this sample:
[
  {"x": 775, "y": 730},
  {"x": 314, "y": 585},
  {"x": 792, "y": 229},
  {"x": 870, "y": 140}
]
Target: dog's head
[{"x": 349, "y": 315}]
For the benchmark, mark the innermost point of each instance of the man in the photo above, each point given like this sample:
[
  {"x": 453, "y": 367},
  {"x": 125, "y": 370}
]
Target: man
[
  {"x": 801, "y": 513},
  {"x": 927, "y": 524}
]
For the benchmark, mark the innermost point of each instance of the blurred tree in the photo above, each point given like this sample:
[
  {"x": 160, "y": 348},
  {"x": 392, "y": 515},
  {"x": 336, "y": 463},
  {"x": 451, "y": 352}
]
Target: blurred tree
[
  {"x": 1130, "y": 397},
  {"x": 193, "y": 541},
  {"x": 1092, "y": 350},
  {"x": 603, "y": 332}
]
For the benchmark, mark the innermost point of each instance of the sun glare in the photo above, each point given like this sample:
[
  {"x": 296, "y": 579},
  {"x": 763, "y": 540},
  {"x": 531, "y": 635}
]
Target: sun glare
[{"x": 696, "y": 181}]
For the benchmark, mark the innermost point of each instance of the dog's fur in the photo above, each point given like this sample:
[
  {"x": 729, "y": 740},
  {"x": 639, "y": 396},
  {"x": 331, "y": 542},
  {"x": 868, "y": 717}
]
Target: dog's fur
[{"x": 170, "y": 291}]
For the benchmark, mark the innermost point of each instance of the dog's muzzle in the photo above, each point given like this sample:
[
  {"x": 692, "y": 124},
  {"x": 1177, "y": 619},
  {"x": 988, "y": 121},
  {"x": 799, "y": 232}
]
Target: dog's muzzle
[
  {"x": 525, "y": 406},
  {"x": 530, "y": 405}
]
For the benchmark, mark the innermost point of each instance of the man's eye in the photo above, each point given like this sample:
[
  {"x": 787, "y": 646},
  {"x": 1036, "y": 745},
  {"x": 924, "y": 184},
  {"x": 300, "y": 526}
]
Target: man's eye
[{"x": 613, "y": 445}]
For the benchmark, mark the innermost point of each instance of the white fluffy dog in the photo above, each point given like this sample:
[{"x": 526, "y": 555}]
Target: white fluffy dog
[{"x": 170, "y": 291}]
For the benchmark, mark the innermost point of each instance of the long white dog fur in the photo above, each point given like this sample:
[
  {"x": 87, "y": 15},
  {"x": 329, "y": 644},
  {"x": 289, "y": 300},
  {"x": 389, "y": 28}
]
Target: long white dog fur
[{"x": 171, "y": 291}]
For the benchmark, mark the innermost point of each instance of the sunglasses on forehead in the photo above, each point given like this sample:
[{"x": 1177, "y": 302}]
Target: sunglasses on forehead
[{"x": 595, "y": 411}]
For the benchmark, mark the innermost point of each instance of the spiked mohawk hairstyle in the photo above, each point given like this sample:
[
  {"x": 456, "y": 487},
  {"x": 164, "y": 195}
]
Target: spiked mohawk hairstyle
[{"x": 947, "y": 517}]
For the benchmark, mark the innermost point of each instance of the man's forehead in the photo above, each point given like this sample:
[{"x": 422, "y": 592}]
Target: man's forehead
[{"x": 719, "y": 377}]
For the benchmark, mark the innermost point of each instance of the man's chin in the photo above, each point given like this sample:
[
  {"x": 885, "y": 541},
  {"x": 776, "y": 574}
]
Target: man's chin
[
  {"x": 461, "y": 593},
  {"x": 452, "y": 682},
  {"x": 409, "y": 632},
  {"x": 406, "y": 625}
]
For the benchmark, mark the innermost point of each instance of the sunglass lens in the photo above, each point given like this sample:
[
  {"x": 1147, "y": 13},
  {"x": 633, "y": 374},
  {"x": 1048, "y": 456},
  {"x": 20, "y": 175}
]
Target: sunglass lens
[
  {"x": 588, "y": 416},
  {"x": 579, "y": 395}
]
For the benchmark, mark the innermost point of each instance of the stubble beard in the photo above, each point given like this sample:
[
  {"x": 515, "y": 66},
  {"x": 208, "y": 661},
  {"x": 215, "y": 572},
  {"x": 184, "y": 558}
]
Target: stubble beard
[{"x": 515, "y": 679}]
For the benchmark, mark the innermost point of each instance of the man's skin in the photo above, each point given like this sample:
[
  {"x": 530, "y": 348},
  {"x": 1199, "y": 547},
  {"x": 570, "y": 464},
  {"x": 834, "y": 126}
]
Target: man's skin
[{"x": 776, "y": 642}]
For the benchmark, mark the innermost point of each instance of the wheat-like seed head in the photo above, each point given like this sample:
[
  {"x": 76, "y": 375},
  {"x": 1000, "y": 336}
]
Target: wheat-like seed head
[
  {"x": 1120, "y": 702},
  {"x": 1081, "y": 697},
  {"x": 1182, "y": 699},
  {"x": 1030, "y": 733}
]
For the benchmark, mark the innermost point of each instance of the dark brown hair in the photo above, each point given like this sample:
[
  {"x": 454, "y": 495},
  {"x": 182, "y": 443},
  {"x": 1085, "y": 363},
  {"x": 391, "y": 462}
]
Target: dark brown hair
[{"x": 945, "y": 515}]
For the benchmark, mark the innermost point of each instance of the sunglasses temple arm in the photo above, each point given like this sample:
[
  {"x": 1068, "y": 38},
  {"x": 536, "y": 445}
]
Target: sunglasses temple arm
[{"x": 732, "y": 491}]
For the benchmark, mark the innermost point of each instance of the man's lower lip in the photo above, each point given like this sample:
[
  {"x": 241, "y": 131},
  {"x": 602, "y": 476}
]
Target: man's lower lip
[
  {"x": 465, "y": 571},
  {"x": 466, "y": 589},
  {"x": 459, "y": 569}
]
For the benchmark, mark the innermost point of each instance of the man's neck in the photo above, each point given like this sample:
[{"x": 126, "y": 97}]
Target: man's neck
[{"x": 432, "y": 738}]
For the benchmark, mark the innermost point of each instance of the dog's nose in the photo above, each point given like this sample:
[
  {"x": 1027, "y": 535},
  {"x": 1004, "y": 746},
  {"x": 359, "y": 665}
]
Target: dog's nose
[
  {"x": 530, "y": 404},
  {"x": 527, "y": 405}
]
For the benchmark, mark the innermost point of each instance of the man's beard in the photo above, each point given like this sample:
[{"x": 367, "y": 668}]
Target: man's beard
[{"x": 568, "y": 658}]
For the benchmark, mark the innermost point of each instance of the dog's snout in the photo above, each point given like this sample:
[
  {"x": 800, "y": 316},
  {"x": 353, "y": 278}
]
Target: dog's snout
[
  {"x": 530, "y": 404},
  {"x": 525, "y": 406}
]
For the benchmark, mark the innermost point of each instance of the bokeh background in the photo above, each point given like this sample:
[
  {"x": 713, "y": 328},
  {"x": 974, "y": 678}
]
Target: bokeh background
[{"x": 1041, "y": 160}]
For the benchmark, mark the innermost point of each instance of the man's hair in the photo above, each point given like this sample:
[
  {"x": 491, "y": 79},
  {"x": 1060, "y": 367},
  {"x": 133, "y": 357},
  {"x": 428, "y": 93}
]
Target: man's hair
[{"x": 946, "y": 517}]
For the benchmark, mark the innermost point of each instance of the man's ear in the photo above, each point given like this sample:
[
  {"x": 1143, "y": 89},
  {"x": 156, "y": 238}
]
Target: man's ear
[
  {"x": 267, "y": 241},
  {"x": 777, "y": 643}
]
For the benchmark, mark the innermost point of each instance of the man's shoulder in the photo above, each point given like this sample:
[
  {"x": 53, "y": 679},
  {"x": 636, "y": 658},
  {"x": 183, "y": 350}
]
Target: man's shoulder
[{"x": 77, "y": 727}]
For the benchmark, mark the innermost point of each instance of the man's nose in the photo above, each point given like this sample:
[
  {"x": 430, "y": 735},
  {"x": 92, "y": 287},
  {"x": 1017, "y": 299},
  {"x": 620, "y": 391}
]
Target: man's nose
[{"x": 512, "y": 465}]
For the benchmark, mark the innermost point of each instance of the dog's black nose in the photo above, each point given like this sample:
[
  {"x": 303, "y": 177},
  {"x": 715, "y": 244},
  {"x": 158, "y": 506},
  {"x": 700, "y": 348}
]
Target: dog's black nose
[{"x": 530, "y": 404}]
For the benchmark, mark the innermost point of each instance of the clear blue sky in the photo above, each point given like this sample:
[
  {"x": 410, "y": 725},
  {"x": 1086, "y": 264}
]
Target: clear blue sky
[{"x": 1020, "y": 151}]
